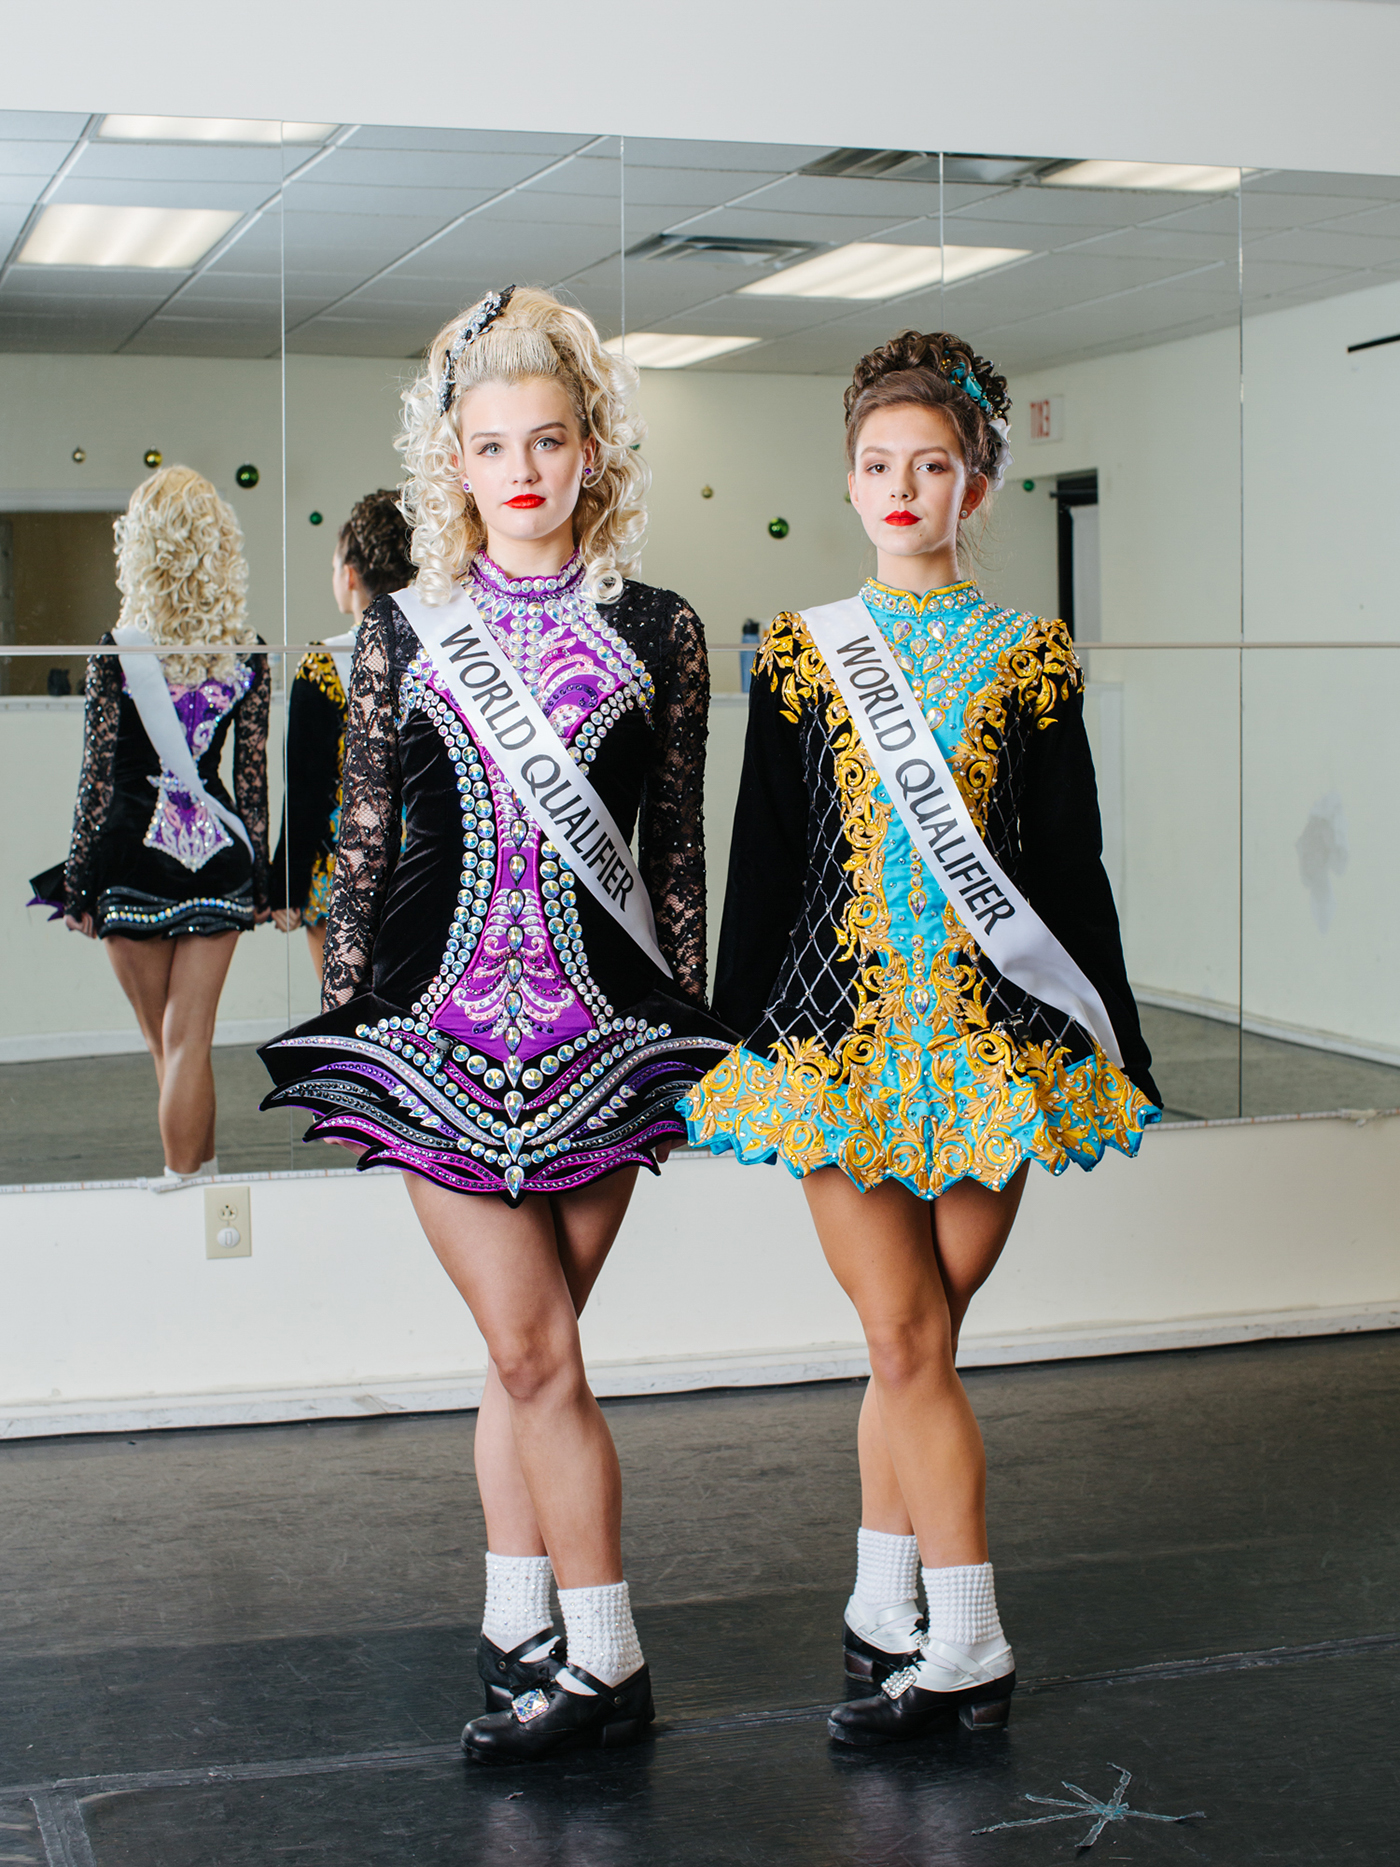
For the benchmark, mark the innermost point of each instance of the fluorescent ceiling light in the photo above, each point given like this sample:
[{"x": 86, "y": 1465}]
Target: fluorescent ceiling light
[
  {"x": 670, "y": 350},
  {"x": 1171, "y": 177},
  {"x": 211, "y": 130},
  {"x": 871, "y": 269},
  {"x": 173, "y": 238}
]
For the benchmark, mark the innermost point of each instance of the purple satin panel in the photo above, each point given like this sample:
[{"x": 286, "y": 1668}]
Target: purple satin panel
[{"x": 182, "y": 826}]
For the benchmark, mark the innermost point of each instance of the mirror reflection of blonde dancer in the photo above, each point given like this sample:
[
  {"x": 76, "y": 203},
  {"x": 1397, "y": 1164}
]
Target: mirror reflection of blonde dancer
[
  {"x": 370, "y": 559},
  {"x": 886, "y": 1059},
  {"x": 155, "y": 871},
  {"x": 488, "y": 1026}
]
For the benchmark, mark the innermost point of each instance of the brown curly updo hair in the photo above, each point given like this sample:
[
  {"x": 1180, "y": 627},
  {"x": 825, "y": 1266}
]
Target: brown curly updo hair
[
  {"x": 932, "y": 369},
  {"x": 374, "y": 543}
]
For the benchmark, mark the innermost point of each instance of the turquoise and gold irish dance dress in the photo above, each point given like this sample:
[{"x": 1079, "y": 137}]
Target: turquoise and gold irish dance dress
[{"x": 878, "y": 1037}]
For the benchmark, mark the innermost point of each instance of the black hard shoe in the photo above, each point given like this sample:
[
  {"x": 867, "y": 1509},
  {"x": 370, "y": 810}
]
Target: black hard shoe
[
  {"x": 546, "y": 1719},
  {"x": 505, "y": 1674},
  {"x": 901, "y": 1710},
  {"x": 867, "y": 1666}
]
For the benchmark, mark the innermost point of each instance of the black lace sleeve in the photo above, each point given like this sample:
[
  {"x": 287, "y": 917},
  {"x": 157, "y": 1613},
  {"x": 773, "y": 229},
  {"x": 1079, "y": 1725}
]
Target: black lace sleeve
[
  {"x": 102, "y": 705},
  {"x": 370, "y": 802},
  {"x": 250, "y": 772},
  {"x": 671, "y": 832}
]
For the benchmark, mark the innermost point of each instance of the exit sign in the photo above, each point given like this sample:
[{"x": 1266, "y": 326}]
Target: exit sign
[{"x": 1047, "y": 418}]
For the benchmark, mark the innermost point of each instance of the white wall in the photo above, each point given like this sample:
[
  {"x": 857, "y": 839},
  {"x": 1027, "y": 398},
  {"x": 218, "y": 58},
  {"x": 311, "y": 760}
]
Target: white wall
[
  {"x": 1212, "y": 1234},
  {"x": 1287, "y": 83},
  {"x": 1318, "y": 560},
  {"x": 214, "y": 414}
]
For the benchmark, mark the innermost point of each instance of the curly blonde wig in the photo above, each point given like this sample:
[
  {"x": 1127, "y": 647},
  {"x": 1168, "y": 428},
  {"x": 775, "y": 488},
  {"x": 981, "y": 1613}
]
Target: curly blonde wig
[
  {"x": 182, "y": 573},
  {"x": 536, "y": 335}
]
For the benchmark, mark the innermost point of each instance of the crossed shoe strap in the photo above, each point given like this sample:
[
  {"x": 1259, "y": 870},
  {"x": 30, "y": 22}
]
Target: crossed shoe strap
[
  {"x": 957, "y": 1659},
  {"x": 528, "y": 1705}
]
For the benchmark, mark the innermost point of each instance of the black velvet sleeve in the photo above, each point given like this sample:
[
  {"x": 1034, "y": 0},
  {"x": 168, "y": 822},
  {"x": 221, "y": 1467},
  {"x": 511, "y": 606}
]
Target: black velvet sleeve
[
  {"x": 767, "y": 859},
  {"x": 314, "y": 727},
  {"x": 1063, "y": 872}
]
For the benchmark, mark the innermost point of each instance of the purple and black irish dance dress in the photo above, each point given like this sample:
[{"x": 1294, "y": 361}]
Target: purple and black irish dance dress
[
  {"x": 487, "y": 1024},
  {"x": 146, "y": 858}
]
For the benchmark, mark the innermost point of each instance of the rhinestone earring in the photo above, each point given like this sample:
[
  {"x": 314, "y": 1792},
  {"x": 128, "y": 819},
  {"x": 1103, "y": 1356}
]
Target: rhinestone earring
[{"x": 466, "y": 486}]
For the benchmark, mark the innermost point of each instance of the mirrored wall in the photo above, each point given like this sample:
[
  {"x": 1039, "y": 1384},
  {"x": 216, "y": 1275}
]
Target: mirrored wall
[{"x": 1203, "y": 365}]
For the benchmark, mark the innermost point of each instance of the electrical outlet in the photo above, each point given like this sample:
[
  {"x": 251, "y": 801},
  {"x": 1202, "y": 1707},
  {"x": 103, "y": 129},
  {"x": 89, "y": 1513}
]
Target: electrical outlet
[{"x": 228, "y": 1222}]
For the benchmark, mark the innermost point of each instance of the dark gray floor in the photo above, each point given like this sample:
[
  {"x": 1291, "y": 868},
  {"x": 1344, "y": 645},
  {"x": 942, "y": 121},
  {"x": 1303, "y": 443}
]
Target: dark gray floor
[
  {"x": 1207, "y": 1070},
  {"x": 226, "y": 1648},
  {"x": 94, "y": 1118}
]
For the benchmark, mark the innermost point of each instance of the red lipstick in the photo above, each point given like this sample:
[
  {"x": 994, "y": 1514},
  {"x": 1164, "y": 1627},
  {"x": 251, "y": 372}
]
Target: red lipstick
[
  {"x": 901, "y": 516},
  {"x": 523, "y": 502}
]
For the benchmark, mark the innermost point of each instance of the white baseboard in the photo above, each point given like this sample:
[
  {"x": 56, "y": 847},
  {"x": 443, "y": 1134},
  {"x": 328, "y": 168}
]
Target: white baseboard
[
  {"x": 1337, "y": 1042},
  {"x": 50, "y": 1046},
  {"x": 833, "y": 1361}
]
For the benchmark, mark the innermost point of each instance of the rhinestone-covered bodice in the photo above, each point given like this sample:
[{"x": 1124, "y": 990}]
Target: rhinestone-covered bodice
[{"x": 513, "y": 984}]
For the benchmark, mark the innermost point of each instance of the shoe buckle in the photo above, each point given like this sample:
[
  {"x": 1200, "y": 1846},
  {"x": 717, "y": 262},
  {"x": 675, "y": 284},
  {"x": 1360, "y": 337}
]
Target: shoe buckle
[
  {"x": 899, "y": 1683},
  {"x": 531, "y": 1704}
]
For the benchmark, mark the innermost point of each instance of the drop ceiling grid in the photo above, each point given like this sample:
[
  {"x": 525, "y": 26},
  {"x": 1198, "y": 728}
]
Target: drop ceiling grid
[{"x": 1112, "y": 269}]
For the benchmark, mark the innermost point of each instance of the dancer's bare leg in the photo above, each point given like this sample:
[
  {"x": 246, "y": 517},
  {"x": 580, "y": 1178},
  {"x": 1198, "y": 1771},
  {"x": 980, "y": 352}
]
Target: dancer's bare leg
[
  {"x": 880, "y": 1247},
  {"x": 509, "y": 1267},
  {"x": 174, "y": 988},
  {"x": 586, "y": 1222},
  {"x": 970, "y": 1227}
]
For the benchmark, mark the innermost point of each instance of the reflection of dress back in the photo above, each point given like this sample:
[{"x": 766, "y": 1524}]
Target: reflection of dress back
[{"x": 194, "y": 860}]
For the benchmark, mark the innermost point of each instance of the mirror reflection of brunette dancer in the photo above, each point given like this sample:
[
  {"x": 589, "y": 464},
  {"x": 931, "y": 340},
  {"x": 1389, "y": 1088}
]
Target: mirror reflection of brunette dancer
[
  {"x": 164, "y": 867},
  {"x": 370, "y": 559},
  {"x": 889, "y": 1061},
  {"x": 489, "y": 1026}
]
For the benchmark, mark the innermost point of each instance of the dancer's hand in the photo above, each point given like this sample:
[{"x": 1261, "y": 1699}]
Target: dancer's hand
[
  {"x": 286, "y": 918},
  {"x": 81, "y": 923}
]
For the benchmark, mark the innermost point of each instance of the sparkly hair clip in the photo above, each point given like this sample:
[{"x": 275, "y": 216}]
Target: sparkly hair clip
[
  {"x": 962, "y": 378},
  {"x": 480, "y": 320}
]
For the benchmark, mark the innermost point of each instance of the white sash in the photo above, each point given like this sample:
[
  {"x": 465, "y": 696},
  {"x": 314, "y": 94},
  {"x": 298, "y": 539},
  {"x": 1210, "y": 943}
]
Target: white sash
[
  {"x": 510, "y": 723},
  {"x": 922, "y": 789},
  {"x": 145, "y": 682}
]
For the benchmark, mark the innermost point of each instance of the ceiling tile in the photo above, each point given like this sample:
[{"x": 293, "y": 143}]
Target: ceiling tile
[
  {"x": 841, "y": 195},
  {"x": 658, "y": 152},
  {"x": 473, "y": 173},
  {"x": 241, "y": 197},
  {"x": 439, "y": 205},
  {"x": 1264, "y": 213},
  {"x": 40, "y": 159},
  {"x": 547, "y": 146},
  {"x": 765, "y": 223},
  {"x": 1381, "y": 223},
  {"x": 1302, "y": 181},
  {"x": 1323, "y": 246},
  {"x": 41, "y": 126},
  {"x": 141, "y": 163}
]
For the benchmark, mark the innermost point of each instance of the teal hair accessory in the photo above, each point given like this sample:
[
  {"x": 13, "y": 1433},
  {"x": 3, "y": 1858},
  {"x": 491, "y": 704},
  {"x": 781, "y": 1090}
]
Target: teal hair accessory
[{"x": 962, "y": 378}]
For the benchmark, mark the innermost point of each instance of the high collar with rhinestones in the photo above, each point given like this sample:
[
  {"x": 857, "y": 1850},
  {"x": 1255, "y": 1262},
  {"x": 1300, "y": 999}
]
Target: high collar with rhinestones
[
  {"x": 906, "y": 603},
  {"x": 486, "y": 571}
]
